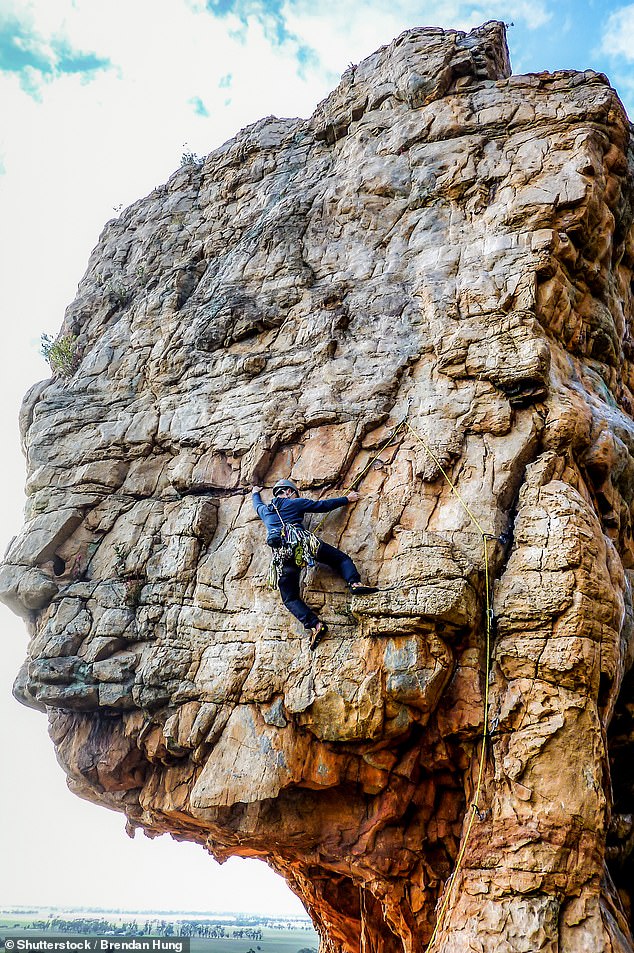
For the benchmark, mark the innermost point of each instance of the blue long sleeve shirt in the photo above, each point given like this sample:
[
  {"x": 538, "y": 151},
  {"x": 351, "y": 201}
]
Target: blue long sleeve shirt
[{"x": 291, "y": 511}]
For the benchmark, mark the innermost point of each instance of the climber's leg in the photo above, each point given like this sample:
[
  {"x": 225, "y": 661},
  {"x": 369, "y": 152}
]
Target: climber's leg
[
  {"x": 289, "y": 591},
  {"x": 342, "y": 564},
  {"x": 339, "y": 561}
]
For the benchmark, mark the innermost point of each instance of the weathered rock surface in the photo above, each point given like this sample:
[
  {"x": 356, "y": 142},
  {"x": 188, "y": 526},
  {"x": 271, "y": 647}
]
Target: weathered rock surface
[{"x": 443, "y": 240}]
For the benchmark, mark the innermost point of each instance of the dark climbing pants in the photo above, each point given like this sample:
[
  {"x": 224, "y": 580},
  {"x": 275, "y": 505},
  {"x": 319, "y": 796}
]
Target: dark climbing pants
[{"x": 290, "y": 576}]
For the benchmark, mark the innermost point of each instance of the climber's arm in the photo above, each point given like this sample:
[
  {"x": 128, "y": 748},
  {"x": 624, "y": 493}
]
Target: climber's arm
[
  {"x": 256, "y": 499},
  {"x": 325, "y": 506}
]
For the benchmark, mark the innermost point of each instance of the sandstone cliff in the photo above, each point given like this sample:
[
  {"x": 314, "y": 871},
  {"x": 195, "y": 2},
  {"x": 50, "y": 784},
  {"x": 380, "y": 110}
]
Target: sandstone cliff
[{"x": 442, "y": 242}]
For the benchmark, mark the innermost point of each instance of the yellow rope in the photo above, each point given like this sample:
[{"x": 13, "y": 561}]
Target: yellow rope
[
  {"x": 386, "y": 443},
  {"x": 454, "y": 489},
  {"x": 487, "y": 596},
  {"x": 485, "y": 729},
  {"x": 359, "y": 477}
]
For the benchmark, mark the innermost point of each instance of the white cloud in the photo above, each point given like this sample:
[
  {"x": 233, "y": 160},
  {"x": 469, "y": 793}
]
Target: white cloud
[
  {"x": 617, "y": 38},
  {"x": 84, "y": 148},
  {"x": 348, "y": 30},
  {"x": 534, "y": 13},
  {"x": 61, "y": 850},
  {"x": 616, "y": 42}
]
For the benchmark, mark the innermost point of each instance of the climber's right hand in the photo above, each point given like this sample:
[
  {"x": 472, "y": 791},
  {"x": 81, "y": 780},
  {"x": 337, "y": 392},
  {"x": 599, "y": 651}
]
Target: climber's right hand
[
  {"x": 257, "y": 489},
  {"x": 352, "y": 496}
]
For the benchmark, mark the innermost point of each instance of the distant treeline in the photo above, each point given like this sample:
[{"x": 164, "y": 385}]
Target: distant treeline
[{"x": 191, "y": 928}]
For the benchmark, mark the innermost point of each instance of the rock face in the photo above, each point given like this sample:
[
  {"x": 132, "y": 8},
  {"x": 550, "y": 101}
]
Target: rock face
[{"x": 441, "y": 241}]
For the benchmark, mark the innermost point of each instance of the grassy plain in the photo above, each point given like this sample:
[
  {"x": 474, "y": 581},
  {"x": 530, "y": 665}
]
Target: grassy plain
[{"x": 273, "y": 940}]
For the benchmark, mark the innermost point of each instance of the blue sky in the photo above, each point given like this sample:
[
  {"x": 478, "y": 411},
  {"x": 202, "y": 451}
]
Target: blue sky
[
  {"x": 208, "y": 66},
  {"x": 99, "y": 100},
  {"x": 42, "y": 41}
]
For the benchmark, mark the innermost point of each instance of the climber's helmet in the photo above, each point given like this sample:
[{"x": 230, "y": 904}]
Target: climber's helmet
[{"x": 283, "y": 485}]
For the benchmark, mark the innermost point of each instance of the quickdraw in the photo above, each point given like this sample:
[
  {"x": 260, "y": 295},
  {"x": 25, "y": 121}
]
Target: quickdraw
[{"x": 298, "y": 545}]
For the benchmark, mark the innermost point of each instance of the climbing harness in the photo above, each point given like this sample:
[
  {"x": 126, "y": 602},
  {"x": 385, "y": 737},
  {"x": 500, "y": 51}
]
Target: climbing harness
[
  {"x": 281, "y": 555},
  {"x": 299, "y": 545}
]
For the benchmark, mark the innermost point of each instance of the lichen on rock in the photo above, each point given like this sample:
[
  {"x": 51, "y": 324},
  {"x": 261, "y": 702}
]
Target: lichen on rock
[{"x": 441, "y": 242}]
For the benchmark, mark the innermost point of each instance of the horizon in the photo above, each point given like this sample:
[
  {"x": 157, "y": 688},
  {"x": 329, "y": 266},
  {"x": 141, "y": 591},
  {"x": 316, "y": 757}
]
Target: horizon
[{"x": 29, "y": 908}]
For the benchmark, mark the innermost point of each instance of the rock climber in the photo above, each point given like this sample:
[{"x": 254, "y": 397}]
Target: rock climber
[{"x": 294, "y": 547}]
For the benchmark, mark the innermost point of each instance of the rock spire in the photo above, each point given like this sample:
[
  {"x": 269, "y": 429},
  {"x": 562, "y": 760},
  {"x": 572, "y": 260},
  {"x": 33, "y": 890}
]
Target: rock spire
[{"x": 443, "y": 242}]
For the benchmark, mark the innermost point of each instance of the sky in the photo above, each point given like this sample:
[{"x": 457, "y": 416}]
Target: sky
[{"x": 99, "y": 99}]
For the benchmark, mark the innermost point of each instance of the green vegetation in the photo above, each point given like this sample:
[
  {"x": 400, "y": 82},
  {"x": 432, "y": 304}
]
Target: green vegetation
[
  {"x": 239, "y": 934},
  {"x": 117, "y": 289},
  {"x": 190, "y": 158},
  {"x": 61, "y": 353}
]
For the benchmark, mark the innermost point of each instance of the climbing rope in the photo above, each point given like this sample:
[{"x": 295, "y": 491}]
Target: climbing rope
[
  {"x": 357, "y": 480},
  {"x": 474, "y": 809}
]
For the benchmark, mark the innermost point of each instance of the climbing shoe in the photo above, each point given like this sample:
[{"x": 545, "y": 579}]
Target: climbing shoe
[
  {"x": 359, "y": 589},
  {"x": 317, "y": 633}
]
